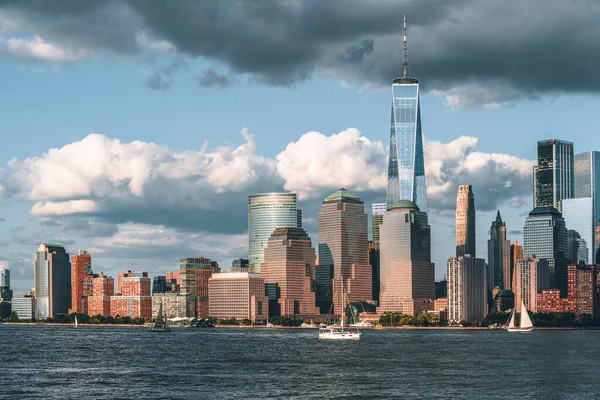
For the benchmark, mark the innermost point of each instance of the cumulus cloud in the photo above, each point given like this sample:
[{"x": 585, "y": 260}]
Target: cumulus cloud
[{"x": 478, "y": 54}]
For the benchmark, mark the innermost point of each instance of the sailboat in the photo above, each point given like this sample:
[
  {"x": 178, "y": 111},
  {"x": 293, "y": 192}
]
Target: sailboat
[
  {"x": 338, "y": 332},
  {"x": 161, "y": 323},
  {"x": 75, "y": 325},
  {"x": 525, "y": 324}
]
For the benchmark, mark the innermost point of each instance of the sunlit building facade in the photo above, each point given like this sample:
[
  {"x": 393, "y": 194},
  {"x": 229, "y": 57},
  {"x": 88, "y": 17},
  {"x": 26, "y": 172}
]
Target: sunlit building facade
[
  {"x": 467, "y": 289},
  {"x": 343, "y": 252},
  {"x": 81, "y": 266},
  {"x": 465, "y": 221},
  {"x": 289, "y": 262},
  {"x": 239, "y": 295},
  {"x": 532, "y": 276},
  {"x": 52, "y": 276},
  {"x": 103, "y": 287},
  {"x": 194, "y": 273},
  {"x": 267, "y": 212},
  {"x": 407, "y": 273}
]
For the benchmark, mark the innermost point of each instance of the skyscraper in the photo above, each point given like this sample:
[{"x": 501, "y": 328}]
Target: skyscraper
[
  {"x": 195, "y": 273},
  {"x": 498, "y": 256},
  {"x": 545, "y": 237},
  {"x": 516, "y": 254},
  {"x": 377, "y": 212},
  {"x": 5, "y": 291},
  {"x": 467, "y": 289},
  {"x": 465, "y": 221},
  {"x": 407, "y": 273},
  {"x": 52, "y": 276},
  {"x": 81, "y": 266},
  {"x": 406, "y": 164},
  {"x": 553, "y": 175},
  {"x": 343, "y": 251},
  {"x": 290, "y": 263},
  {"x": 267, "y": 212},
  {"x": 582, "y": 213},
  {"x": 532, "y": 275}
]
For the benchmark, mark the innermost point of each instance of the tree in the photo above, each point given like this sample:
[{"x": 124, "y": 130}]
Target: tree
[{"x": 13, "y": 317}]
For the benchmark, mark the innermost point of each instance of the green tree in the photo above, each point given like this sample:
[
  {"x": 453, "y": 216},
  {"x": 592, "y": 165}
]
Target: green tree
[{"x": 13, "y": 317}]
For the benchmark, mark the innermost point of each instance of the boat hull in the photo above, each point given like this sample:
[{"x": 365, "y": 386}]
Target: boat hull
[
  {"x": 519, "y": 329},
  {"x": 160, "y": 330},
  {"x": 339, "y": 336}
]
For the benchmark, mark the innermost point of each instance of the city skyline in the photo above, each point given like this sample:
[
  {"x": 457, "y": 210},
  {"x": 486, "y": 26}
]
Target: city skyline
[{"x": 133, "y": 194}]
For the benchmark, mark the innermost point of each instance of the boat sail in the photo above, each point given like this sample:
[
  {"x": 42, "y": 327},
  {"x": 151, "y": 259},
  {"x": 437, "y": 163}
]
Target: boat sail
[
  {"x": 333, "y": 332},
  {"x": 525, "y": 324},
  {"x": 75, "y": 325},
  {"x": 161, "y": 323}
]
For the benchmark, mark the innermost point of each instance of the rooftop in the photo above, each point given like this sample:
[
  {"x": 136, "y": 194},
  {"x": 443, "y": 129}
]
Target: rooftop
[
  {"x": 404, "y": 204},
  {"x": 544, "y": 211},
  {"x": 344, "y": 195}
]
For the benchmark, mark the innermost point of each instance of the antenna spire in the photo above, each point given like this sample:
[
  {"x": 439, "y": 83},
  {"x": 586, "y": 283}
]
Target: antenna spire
[{"x": 404, "y": 62}]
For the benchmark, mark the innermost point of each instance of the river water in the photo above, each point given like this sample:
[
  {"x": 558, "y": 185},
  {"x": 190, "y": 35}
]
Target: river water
[{"x": 133, "y": 363}]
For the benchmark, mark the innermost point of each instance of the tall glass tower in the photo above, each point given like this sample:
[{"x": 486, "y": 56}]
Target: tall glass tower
[
  {"x": 406, "y": 165},
  {"x": 553, "y": 175},
  {"x": 267, "y": 212}
]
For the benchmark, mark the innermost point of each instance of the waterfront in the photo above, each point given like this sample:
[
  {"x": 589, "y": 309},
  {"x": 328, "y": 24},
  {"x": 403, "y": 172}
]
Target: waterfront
[{"x": 106, "y": 362}]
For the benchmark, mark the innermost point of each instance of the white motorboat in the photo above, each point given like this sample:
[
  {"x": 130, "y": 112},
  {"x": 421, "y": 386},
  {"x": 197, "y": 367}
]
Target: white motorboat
[{"x": 363, "y": 324}]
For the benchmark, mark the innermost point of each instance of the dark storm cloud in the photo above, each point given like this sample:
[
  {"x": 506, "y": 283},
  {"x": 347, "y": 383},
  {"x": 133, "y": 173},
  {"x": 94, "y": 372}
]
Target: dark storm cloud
[
  {"x": 210, "y": 77},
  {"x": 476, "y": 52},
  {"x": 162, "y": 78}
]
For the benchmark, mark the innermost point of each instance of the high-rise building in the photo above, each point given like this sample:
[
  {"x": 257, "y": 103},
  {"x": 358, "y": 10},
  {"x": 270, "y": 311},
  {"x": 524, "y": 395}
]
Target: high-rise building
[
  {"x": 52, "y": 276},
  {"x": 24, "y": 307},
  {"x": 128, "y": 274},
  {"x": 81, "y": 266},
  {"x": 103, "y": 287},
  {"x": 267, "y": 212},
  {"x": 467, "y": 289},
  {"x": 553, "y": 174},
  {"x": 173, "y": 278},
  {"x": 406, "y": 164},
  {"x": 441, "y": 288},
  {"x": 134, "y": 298},
  {"x": 498, "y": 256},
  {"x": 343, "y": 251},
  {"x": 289, "y": 262},
  {"x": 549, "y": 301},
  {"x": 407, "y": 273},
  {"x": 532, "y": 275},
  {"x": 516, "y": 255},
  {"x": 195, "y": 273},
  {"x": 545, "y": 237},
  {"x": 174, "y": 305},
  {"x": 240, "y": 265},
  {"x": 160, "y": 284},
  {"x": 583, "y": 290},
  {"x": 5, "y": 291},
  {"x": 239, "y": 295},
  {"x": 582, "y": 213},
  {"x": 465, "y": 221},
  {"x": 375, "y": 260},
  {"x": 377, "y": 212}
]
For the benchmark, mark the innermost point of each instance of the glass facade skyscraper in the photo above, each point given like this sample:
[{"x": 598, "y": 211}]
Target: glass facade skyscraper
[
  {"x": 377, "y": 212},
  {"x": 553, "y": 175},
  {"x": 267, "y": 212},
  {"x": 545, "y": 237},
  {"x": 52, "y": 277},
  {"x": 579, "y": 218},
  {"x": 406, "y": 164}
]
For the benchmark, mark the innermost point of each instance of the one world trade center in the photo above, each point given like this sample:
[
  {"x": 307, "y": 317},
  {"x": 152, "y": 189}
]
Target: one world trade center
[{"x": 406, "y": 165}]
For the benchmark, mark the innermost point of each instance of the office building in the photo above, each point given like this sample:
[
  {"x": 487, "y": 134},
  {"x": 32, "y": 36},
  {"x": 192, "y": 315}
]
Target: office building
[
  {"x": 406, "y": 163},
  {"x": 6, "y": 293},
  {"x": 194, "y": 273},
  {"x": 174, "y": 305},
  {"x": 465, "y": 222},
  {"x": 103, "y": 287},
  {"x": 377, "y": 212},
  {"x": 549, "y": 301},
  {"x": 516, "y": 255},
  {"x": 545, "y": 237},
  {"x": 52, "y": 276},
  {"x": 81, "y": 266},
  {"x": 498, "y": 255},
  {"x": 467, "y": 289},
  {"x": 160, "y": 284},
  {"x": 239, "y": 295},
  {"x": 553, "y": 174},
  {"x": 343, "y": 252},
  {"x": 240, "y": 265},
  {"x": 374, "y": 260},
  {"x": 24, "y": 307},
  {"x": 532, "y": 276},
  {"x": 441, "y": 288},
  {"x": 267, "y": 212},
  {"x": 407, "y": 273},
  {"x": 289, "y": 262}
]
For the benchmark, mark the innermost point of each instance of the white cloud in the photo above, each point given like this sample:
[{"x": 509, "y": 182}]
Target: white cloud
[
  {"x": 492, "y": 95},
  {"x": 37, "y": 49},
  {"x": 154, "y": 45}
]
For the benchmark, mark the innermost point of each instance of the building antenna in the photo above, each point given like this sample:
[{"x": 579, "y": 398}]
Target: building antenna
[{"x": 404, "y": 62}]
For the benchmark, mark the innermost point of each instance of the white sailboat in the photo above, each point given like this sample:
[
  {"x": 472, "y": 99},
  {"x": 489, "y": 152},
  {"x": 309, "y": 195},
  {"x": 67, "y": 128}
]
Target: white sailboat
[
  {"x": 525, "y": 324},
  {"x": 75, "y": 325},
  {"x": 161, "y": 323},
  {"x": 338, "y": 332}
]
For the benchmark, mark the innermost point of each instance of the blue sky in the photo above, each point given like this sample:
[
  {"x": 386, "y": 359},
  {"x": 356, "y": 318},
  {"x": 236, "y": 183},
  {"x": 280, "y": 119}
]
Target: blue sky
[{"x": 143, "y": 206}]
